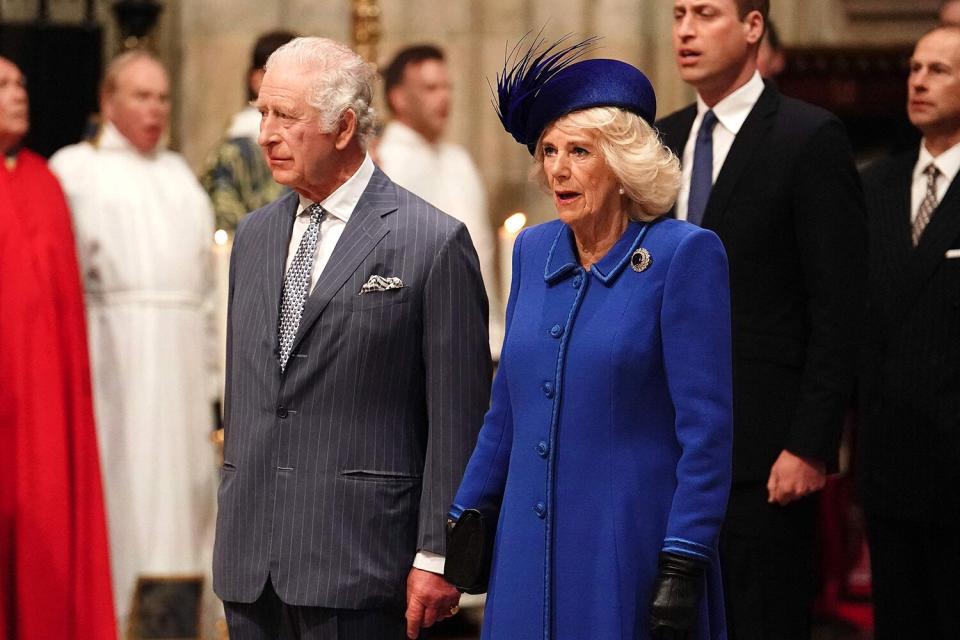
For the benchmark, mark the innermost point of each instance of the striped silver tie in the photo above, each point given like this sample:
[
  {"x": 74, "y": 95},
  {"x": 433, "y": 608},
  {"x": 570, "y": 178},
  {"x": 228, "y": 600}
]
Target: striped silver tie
[{"x": 929, "y": 204}]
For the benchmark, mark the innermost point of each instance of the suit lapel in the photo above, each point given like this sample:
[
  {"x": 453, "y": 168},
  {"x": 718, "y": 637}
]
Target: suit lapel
[
  {"x": 674, "y": 132},
  {"x": 941, "y": 231},
  {"x": 362, "y": 233},
  {"x": 280, "y": 226},
  {"x": 755, "y": 128}
]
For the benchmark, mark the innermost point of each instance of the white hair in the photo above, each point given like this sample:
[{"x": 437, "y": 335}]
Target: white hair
[
  {"x": 647, "y": 170},
  {"x": 341, "y": 81}
]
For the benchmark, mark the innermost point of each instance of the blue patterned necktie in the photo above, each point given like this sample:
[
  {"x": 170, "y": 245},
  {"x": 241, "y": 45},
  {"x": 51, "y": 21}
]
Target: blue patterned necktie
[
  {"x": 701, "y": 178},
  {"x": 296, "y": 284}
]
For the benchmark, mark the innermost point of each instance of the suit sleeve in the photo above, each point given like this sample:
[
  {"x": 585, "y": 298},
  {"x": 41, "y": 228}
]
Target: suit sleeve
[
  {"x": 697, "y": 354},
  {"x": 486, "y": 474},
  {"x": 456, "y": 355},
  {"x": 830, "y": 221}
]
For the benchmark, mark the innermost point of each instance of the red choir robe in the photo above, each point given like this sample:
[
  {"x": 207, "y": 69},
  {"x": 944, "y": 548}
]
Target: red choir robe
[{"x": 54, "y": 561}]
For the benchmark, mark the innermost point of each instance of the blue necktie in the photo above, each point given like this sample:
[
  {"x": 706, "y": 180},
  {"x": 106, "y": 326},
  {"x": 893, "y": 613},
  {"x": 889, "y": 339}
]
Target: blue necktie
[
  {"x": 296, "y": 284},
  {"x": 701, "y": 178}
]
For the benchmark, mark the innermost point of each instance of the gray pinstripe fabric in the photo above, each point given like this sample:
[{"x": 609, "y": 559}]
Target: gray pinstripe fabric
[{"x": 339, "y": 469}]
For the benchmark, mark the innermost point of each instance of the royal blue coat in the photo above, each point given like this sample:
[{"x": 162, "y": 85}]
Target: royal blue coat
[{"x": 609, "y": 434}]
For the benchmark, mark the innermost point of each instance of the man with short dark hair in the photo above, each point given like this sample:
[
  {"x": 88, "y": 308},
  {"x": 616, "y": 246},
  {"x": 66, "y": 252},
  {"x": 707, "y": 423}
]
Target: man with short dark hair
[
  {"x": 909, "y": 447},
  {"x": 774, "y": 178},
  {"x": 415, "y": 156},
  {"x": 237, "y": 178}
]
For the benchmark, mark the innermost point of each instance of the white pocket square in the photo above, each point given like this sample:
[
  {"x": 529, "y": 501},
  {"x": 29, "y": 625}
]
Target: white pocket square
[
  {"x": 953, "y": 253},
  {"x": 379, "y": 283}
]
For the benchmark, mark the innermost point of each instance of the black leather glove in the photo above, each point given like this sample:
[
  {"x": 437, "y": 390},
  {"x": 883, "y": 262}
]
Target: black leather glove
[{"x": 675, "y": 599}]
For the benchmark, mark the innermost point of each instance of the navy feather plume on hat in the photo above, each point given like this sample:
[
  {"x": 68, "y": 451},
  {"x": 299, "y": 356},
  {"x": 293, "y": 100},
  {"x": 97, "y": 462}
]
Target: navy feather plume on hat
[{"x": 538, "y": 88}]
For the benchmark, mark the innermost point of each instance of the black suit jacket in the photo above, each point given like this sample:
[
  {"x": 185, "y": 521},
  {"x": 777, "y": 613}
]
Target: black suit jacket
[
  {"x": 789, "y": 208},
  {"x": 910, "y": 442}
]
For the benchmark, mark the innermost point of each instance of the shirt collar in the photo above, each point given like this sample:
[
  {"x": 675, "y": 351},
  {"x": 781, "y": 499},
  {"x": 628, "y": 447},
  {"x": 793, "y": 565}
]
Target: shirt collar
[
  {"x": 947, "y": 162},
  {"x": 400, "y": 133},
  {"x": 111, "y": 138},
  {"x": 562, "y": 258},
  {"x": 341, "y": 203},
  {"x": 733, "y": 110}
]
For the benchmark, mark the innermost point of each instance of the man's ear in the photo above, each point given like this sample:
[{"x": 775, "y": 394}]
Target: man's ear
[
  {"x": 753, "y": 25},
  {"x": 397, "y": 100},
  {"x": 347, "y": 130}
]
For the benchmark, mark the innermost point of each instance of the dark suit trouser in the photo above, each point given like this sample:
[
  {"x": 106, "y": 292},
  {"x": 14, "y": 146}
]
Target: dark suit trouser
[
  {"x": 916, "y": 578},
  {"x": 768, "y": 560},
  {"x": 269, "y": 618}
]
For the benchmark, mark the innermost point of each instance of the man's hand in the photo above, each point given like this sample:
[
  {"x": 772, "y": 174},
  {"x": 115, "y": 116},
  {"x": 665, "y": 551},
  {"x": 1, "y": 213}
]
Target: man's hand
[
  {"x": 430, "y": 599},
  {"x": 793, "y": 477}
]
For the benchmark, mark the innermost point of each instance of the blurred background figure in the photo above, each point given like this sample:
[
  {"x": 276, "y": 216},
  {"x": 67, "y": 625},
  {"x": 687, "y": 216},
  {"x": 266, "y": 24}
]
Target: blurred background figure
[
  {"x": 950, "y": 12},
  {"x": 54, "y": 563},
  {"x": 237, "y": 178},
  {"x": 144, "y": 230},
  {"x": 412, "y": 152},
  {"x": 910, "y": 440},
  {"x": 771, "y": 59}
]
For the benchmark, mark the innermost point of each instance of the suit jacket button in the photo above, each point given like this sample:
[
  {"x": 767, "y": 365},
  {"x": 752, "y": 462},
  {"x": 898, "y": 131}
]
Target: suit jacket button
[
  {"x": 540, "y": 510},
  {"x": 543, "y": 449},
  {"x": 547, "y": 389},
  {"x": 556, "y": 331},
  {"x": 282, "y": 412}
]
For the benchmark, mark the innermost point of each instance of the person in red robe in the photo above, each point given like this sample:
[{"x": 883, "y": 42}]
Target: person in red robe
[{"x": 54, "y": 562}]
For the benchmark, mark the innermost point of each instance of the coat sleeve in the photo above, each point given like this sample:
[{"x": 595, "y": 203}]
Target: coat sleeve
[
  {"x": 484, "y": 480},
  {"x": 831, "y": 232},
  {"x": 456, "y": 356},
  {"x": 695, "y": 321}
]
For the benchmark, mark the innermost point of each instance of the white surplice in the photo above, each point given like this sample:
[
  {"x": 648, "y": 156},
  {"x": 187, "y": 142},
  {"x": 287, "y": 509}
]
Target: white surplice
[
  {"x": 444, "y": 175},
  {"x": 144, "y": 232}
]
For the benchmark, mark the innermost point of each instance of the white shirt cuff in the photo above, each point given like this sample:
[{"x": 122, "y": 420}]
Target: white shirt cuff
[{"x": 428, "y": 561}]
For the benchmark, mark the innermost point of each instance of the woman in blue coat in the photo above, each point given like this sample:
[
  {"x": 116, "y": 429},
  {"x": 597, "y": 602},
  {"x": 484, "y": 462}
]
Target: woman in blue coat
[{"x": 606, "y": 450}]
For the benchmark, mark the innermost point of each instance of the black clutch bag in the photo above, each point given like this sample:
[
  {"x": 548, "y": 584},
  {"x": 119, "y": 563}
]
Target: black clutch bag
[{"x": 470, "y": 552}]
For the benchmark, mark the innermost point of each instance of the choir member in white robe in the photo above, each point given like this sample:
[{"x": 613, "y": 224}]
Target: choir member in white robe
[
  {"x": 144, "y": 230},
  {"x": 412, "y": 152}
]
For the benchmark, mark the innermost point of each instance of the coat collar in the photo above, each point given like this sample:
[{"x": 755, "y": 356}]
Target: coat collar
[{"x": 562, "y": 259}]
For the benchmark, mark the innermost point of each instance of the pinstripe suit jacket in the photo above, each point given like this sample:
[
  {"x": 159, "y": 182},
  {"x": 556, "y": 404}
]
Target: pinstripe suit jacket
[
  {"x": 909, "y": 446},
  {"x": 337, "y": 471}
]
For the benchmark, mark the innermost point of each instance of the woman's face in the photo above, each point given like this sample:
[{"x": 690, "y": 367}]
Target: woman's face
[{"x": 579, "y": 178}]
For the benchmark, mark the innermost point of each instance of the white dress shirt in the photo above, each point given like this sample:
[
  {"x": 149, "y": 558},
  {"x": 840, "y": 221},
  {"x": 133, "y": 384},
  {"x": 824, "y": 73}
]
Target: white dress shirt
[
  {"x": 947, "y": 162},
  {"x": 731, "y": 113},
  {"x": 339, "y": 206}
]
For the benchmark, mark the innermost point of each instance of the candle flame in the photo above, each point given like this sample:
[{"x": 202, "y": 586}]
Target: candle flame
[{"x": 515, "y": 223}]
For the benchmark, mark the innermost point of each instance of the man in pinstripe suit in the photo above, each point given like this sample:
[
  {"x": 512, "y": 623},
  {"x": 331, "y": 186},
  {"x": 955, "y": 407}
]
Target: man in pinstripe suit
[
  {"x": 909, "y": 446},
  {"x": 357, "y": 376}
]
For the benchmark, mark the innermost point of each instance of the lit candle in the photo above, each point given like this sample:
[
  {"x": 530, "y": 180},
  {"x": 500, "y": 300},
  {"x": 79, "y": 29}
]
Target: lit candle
[{"x": 507, "y": 235}]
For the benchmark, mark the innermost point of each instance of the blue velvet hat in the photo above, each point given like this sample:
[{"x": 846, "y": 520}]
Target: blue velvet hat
[{"x": 539, "y": 88}]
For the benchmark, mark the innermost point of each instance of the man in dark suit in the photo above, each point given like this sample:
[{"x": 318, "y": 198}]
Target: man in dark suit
[
  {"x": 910, "y": 441},
  {"x": 774, "y": 178},
  {"x": 357, "y": 376}
]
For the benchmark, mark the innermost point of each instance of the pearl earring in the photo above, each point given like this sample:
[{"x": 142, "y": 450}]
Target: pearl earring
[{"x": 621, "y": 190}]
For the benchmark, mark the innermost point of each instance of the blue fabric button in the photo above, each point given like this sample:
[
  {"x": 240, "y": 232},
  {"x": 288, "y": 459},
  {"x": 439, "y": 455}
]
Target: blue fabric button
[
  {"x": 543, "y": 449},
  {"x": 556, "y": 331},
  {"x": 540, "y": 510},
  {"x": 577, "y": 281},
  {"x": 547, "y": 389}
]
